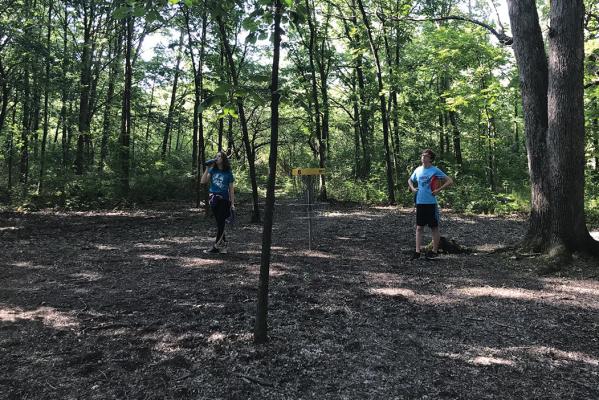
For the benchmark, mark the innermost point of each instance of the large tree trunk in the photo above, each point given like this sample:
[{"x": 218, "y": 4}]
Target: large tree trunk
[
  {"x": 85, "y": 84},
  {"x": 552, "y": 98},
  {"x": 65, "y": 92},
  {"x": 46, "y": 99},
  {"x": 171, "y": 109},
  {"x": 383, "y": 105},
  {"x": 26, "y": 128},
  {"x": 5, "y": 96},
  {"x": 115, "y": 51},
  {"x": 323, "y": 67},
  {"x": 566, "y": 125},
  {"x": 126, "y": 115},
  {"x": 314, "y": 85},
  {"x": 261, "y": 326},
  {"x": 198, "y": 152},
  {"x": 242, "y": 121}
]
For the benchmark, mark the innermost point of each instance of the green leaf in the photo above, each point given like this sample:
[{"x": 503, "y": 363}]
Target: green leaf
[
  {"x": 139, "y": 11},
  {"x": 121, "y": 12},
  {"x": 173, "y": 2},
  {"x": 251, "y": 38},
  {"x": 288, "y": 3}
]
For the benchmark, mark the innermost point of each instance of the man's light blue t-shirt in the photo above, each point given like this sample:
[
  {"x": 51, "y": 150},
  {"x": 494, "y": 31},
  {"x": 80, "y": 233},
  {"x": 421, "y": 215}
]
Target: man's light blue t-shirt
[
  {"x": 219, "y": 182},
  {"x": 426, "y": 177}
]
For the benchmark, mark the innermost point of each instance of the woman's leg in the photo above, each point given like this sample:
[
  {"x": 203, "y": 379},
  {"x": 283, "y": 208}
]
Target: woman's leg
[{"x": 220, "y": 214}]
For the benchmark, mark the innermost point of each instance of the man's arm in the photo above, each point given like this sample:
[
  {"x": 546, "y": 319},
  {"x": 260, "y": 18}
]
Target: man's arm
[
  {"x": 411, "y": 185},
  {"x": 447, "y": 181}
]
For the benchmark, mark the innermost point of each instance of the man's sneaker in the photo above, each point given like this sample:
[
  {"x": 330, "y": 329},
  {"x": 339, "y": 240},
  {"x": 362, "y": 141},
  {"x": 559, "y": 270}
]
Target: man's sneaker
[
  {"x": 431, "y": 255},
  {"x": 213, "y": 250},
  {"x": 415, "y": 256}
]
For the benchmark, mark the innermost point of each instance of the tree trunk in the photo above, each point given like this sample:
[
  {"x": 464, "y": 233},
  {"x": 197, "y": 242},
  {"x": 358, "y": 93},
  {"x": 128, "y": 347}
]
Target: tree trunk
[
  {"x": 171, "y": 109},
  {"x": 594, "y": 132},
  {"x": 65, "y": 92},
  {"x": 126, "y": 115},
  {"x": 198, "y": 152},
  {"x": 5, "y": 96},
  {"x": 552, "y": 98},
  {"x": 114, "y": 51},
  {"x": 324, "y": 91},
  {"x": 46, "y": 95},
  {"x": 383, "y": 105},
  {"x": 26, "y": 129},
  {"x": 457, "y": 142},
  {"x": 261, "y": 326},
  {"x": 84, "y": 90},
  {"x": 242, "y": 120},
  {"x": 314, "y": 85}
]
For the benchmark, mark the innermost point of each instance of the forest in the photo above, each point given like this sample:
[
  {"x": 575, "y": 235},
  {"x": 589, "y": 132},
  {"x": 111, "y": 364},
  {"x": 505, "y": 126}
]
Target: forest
[
  {"x": 109, "y": 111},
  {"x": 91, "y": 115}
]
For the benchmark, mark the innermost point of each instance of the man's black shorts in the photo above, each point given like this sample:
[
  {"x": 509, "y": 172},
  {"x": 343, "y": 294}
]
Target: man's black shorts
[{"x": 427, "y": 214}]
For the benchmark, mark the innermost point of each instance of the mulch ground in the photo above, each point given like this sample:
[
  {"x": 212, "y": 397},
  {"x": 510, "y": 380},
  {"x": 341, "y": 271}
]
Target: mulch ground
[{"x": 125, "y": 305}]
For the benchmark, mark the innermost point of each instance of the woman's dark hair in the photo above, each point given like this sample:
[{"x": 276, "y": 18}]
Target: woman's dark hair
[{"x": 226, "y": 163}]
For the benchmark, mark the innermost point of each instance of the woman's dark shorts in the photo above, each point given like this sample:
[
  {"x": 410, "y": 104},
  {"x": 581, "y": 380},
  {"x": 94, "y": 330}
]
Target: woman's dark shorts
[{"x": 427, "y": 214}]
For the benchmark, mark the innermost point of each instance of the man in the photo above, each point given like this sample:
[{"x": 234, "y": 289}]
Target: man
[{"x": 427, "y": 181}]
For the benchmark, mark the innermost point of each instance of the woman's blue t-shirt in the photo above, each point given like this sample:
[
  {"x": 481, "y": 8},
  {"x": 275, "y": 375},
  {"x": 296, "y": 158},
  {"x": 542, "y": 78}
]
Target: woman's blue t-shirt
[
  {"x": 219, "y": 181},
  {"x": 425, "y": 178}
]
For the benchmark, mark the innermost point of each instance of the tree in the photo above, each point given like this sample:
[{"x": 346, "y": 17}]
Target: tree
[
  {"x": 383, "y": 103},
  {"x": 233, "y": 73},
  {"x": 260, "y": 331},
  {"x": 552, "y": 98}
]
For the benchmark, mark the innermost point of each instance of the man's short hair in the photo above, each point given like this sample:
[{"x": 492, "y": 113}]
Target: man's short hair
[{"x": 429, "y": 153}]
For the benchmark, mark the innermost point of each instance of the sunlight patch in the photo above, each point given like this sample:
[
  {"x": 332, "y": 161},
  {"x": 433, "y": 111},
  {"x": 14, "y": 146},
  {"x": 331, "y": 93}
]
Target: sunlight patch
[
  {"x": 10, "y": 228},
  {"x": 395, "y": 292},
  {"x": 507, "y": 293},
  {"x": 191, "y": 262},
  {"x": 150, "y": 246},
  {"x": 22, "y": 264},
  {"x": 568, "y": 356},
  {"x": 154, "y": 257},
  {"x": 486, "y": 360},
  {"x": 87, "y": 275},
  {"x": 564, "y": 294},
  {"x": 47, "y": 315},
  {"x": 104, "y": 247},
  {"x": 216, "y": 337}
]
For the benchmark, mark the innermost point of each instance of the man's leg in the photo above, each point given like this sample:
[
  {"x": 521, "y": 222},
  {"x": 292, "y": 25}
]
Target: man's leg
[
  {"x": 419, "y": 230},
  {"x": 436, "y": 238}
]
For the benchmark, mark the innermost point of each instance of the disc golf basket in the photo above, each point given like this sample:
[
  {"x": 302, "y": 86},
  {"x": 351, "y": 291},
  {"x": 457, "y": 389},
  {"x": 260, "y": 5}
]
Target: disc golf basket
[{"x": 306, "y": 182}]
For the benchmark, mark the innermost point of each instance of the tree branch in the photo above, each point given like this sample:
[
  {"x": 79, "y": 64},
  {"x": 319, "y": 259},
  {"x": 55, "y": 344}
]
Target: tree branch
[
  {"x": 591, "y": 84},
  {"x": 501, "y": 36}
]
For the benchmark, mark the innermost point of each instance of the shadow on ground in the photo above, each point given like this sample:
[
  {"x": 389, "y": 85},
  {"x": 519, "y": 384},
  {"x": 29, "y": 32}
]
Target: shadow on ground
[{"x": 127, "y": 305}]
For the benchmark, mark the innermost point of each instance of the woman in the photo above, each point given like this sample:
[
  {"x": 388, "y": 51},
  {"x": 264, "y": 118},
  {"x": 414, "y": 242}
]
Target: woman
[{"x": 222, "y": 197}]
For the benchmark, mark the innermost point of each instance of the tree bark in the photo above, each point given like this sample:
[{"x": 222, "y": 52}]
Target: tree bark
[
  {"x": 171, "y": 109},
  {"x": 383, "y": 105},
  {"x": 116, "y": 52},
  {"x": 46, "y": 99},
  {"x": 126, "y": 115},
  {"x": 242, "y": 120},
  {"x": 552, "y": 98},
  {"x": 199, "y": 147},
  {"x": 314, "y": 85},
  {"x": 261, "y": 326},
  {"x": 85, "y": 83}
]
